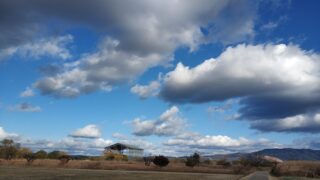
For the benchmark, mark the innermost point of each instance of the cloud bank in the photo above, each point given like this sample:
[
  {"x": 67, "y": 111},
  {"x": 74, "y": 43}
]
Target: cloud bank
[{"x": 272, "y": 81}]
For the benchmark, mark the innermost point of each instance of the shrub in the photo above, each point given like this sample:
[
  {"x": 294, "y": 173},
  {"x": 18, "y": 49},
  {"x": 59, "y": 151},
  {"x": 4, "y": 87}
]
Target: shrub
[
  {"x": 109, "y": 156},
  {"x": 276, "y": 171},
  {"x": 125, "y": 158},
  {"x": 30, "y": 157},
  {"x": 160, "y": 161},
  {"x": 193, "y": 160},
  {"x": 223, "y": 162},
  {"x": 148, "y": 160},
  {"x": 255, "y": 161},
  {"x": 64, "y": 159}
]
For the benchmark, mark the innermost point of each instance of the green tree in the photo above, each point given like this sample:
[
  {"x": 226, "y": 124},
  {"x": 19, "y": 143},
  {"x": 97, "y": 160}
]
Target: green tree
[
  {"x": 41, "y": 154},
  {"x": 9, "y": 149},
  {"x": 56, "y": 154},
  {"x": 193, "y": 160},
  {"x": 22, "y": 152}
]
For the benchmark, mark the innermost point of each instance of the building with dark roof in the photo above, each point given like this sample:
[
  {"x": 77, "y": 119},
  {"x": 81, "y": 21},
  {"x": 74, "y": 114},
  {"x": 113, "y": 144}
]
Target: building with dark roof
[{"x": 125, "y": 149}]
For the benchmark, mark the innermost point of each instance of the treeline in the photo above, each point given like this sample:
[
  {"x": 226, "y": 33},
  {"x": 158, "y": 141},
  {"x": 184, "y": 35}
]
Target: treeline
[{"x": 10, "y": 150}]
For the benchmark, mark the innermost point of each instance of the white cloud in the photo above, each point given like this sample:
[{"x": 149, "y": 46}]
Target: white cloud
[
  {"x": 4, "y": 134},
  {"x": 53, "y": 47},
  {"x": 89, "y": 131},
  {"x": 244, "y": 70},
  {"x": 271, "y": 81},
  {"x": 27, "y": 93},
  {"x": 168, "y": 124},
  {"x": 145, "y": 91},
  {"x": 215, "y": 143},
  {"x": 25, "y": 107}
]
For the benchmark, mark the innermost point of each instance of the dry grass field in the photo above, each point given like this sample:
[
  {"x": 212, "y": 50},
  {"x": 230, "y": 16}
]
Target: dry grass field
[
  {"x": 118, "y": 165},
  {"x": 298, "y": 169},
  {"x": 31, "y": 172}
]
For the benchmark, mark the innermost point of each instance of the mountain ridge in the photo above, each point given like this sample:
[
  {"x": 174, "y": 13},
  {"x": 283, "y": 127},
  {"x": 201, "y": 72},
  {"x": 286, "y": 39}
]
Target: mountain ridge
[{"x": 283, "y": 153}]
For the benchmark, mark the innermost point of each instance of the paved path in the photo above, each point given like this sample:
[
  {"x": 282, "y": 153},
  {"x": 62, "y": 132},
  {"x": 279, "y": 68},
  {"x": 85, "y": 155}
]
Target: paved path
[{"x": 259, "y": 175}]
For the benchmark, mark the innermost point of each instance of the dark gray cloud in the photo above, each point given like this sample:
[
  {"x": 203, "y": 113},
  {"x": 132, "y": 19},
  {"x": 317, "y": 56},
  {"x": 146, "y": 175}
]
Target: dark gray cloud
[
  {"x": 308, "y": 122},
  {"x": 137, "y": 24},
  {"x": 147, "y": 33},
  {"x": 18, "y": 24}
]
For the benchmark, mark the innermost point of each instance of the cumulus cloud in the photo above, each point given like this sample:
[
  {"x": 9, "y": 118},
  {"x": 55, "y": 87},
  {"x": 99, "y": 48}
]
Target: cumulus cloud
[
  {"x": 272, "y": 81},
  {"x": 27, "y": 93},
  {"x": 145, "y": 91},
  {"x": 89, "y": 131},
  {"x": 76, "y": 146},
  {"x": 25, "y": 107},
  {"x": 212, "y": 143},
  {"x": 71, "y": 145},
  {"x": 168, "y": 124}
]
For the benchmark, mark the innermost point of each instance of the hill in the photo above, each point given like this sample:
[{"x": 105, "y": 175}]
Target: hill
[{"x": 284, "y": 154}]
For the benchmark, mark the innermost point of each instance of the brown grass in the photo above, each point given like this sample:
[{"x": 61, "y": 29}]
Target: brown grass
[
  {"x": 298, "y": 168},
  {"x": 119, "y": 165}
]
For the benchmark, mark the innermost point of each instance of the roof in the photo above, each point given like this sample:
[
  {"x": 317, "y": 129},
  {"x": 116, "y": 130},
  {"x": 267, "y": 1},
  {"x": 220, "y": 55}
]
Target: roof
[{"x": 120, "y": 147}]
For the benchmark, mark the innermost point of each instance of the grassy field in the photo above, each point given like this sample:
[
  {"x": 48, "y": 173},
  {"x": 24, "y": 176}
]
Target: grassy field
[{"x": 21, "y": 172}]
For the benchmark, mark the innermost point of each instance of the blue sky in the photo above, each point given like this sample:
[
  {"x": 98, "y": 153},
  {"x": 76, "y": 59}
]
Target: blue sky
[{"x": 171, "y": 77}]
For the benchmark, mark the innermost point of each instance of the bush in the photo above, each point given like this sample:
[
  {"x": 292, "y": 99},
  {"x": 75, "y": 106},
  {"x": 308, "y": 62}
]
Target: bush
[
  {"x": 255, "y": 161},
  {"x": 160, "y": 161},
  {"x": 109, "y": 156},
  {"x": 30, "y": 157},
  {"x": 223, "y": 162},
  {"x": 64, "y": 159},
  {"x": 276, "y": 171},
  {"x": 193, "y": 160},
  {"x": 147, "y": 160}
]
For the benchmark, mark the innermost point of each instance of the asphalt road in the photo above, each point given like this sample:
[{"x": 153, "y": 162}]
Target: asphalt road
[{"x": 259, "y": 175}]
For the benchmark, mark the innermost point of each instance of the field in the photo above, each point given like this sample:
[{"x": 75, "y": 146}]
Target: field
[
  {"x": 118, "y": 165},
  {"x": 298, "y": 169},
  {"x": 22, "y": 172}
]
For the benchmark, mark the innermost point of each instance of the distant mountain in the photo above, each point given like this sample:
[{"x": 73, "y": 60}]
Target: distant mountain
[
  {"x": 291, "y": 154},
  {"x": 284, "y": 154},
  {"x": 230, "y": 157}
]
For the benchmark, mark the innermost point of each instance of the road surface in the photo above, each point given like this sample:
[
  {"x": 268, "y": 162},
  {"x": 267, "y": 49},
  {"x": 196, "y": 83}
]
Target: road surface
[{"x": 259, "y": 175}]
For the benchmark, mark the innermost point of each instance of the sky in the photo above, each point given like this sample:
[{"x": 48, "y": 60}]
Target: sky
[{"x": 172, "y": 77}]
